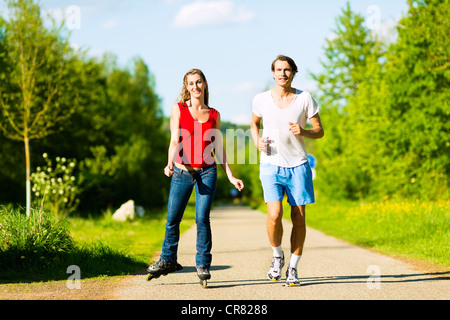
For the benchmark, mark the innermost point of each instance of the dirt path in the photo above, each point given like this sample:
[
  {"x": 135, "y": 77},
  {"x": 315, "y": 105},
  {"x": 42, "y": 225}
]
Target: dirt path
[{"x": 329, "y": 269}]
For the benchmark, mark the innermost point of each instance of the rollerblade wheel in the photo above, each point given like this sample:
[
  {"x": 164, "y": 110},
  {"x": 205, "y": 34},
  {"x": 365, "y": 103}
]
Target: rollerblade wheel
[
  {"x": 149, "y": 277},
  {"x": 204, "y": 283}
]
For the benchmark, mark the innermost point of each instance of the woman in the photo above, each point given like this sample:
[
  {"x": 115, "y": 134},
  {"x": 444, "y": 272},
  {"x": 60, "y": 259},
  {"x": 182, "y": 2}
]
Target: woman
[{"x": 195, "y": 135}]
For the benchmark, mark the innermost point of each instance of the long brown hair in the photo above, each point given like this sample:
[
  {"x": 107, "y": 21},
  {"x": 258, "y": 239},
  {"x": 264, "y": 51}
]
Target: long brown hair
[{"x": 185, "y": 95}]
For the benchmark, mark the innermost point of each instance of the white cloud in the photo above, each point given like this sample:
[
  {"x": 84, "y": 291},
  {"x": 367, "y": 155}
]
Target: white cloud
[
  {"x": 110, "y": 24},
  {"x": 202, "y": 13},
  {"x": 248, "y": 86}
]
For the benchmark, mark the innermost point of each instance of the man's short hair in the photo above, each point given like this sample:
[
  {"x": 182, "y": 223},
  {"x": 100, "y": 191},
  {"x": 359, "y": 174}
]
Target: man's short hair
[{"x": 288, "y": 60}]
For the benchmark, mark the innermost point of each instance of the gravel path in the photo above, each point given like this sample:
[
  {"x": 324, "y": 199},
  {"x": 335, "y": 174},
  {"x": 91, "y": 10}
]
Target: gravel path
[{"x": 329, "y": 269}]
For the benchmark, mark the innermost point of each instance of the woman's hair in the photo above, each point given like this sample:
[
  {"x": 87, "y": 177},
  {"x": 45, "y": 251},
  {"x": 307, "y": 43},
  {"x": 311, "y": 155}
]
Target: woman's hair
[
  {"x": 288, "y": 60},
  {"x": 185, "y": 95}
]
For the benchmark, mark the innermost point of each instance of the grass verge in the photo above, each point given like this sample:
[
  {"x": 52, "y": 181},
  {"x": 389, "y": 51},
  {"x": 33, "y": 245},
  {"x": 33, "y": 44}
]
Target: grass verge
[
  {"x": 139, "y": 238},
  {"x": 409, "y": 229},
  {"x": 41, "y": 248}
]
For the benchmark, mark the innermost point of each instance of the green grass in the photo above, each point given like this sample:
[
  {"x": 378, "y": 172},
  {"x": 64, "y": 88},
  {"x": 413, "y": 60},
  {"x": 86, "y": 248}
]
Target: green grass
[
  {"x": 409, "y": 229},
  {"x": 139, "y": 238},
  {"x": 41, "y": 248}
]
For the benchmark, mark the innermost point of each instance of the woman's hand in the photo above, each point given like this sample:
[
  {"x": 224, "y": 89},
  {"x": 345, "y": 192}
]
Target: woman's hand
[
  {"x": 238, "y": 184},
  {"x": 168, "y": 170}
]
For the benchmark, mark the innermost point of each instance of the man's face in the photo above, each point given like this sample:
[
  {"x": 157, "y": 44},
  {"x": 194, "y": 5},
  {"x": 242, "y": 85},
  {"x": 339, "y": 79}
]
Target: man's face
[{"x": 283, "y": 74}]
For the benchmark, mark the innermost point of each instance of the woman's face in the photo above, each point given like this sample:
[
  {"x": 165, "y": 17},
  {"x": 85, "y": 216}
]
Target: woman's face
[{"x": 195, "y": 85}]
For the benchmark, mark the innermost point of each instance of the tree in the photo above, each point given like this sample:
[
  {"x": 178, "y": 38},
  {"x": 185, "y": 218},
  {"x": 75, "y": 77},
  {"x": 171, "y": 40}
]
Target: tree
[
  {"x": 386, "y": 108},
  {"x": 348, "y": 55},
  {"x": 35, "y": 93},
  {"x": 418, "y": 77}
]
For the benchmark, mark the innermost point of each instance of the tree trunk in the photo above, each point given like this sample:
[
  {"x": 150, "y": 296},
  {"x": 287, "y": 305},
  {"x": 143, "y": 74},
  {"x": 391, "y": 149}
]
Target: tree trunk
[{"x": 28, "y": 181}]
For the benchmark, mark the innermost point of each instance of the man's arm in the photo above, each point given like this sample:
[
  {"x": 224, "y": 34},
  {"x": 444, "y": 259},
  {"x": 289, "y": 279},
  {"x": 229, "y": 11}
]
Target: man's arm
[
  {"x": 255, "y": 125},
  {"x": 316, "y": 132}
]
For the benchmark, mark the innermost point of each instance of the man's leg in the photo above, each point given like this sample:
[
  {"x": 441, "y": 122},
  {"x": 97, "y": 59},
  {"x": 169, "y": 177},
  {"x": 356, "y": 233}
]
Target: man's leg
[
  {"x": 275, "y": 232},
  {"x": 298, "y": 234},
  {"x": 274, "y": 222}
]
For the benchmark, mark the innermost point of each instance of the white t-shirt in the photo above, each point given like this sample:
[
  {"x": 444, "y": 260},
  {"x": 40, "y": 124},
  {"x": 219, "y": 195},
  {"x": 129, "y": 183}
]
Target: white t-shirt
[{"x": 287, "y": 149}]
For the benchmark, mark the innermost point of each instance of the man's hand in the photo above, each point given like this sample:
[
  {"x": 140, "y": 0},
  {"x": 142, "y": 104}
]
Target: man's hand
[
  {"x": 296, "y": 129},
  {"x": 264, "y": 144}
]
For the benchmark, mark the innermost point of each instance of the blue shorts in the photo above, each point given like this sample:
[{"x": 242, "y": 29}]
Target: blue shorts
[{"x": 296, "y": 182}]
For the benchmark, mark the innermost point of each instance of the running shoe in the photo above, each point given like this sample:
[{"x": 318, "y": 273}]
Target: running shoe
[
  {"x": 274, "y": 273},
  {"x": 291, "y": 277}
]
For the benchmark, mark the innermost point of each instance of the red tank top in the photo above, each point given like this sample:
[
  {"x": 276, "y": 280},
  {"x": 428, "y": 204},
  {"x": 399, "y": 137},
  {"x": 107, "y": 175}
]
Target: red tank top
[{"x": 196, "y": 139}]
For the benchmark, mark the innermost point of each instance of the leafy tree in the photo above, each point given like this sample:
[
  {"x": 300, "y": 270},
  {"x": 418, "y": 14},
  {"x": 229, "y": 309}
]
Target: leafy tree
[
  {"x": 36, "y": 78},
  {"x": 348, "y": 55},
  {"x": 418, "y": 75},
  {"x": 125, "y": 152},
  {"x": 386, "y": 108}
]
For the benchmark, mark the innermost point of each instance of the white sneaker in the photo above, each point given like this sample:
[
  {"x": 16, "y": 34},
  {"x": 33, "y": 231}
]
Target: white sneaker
[
  {"x": 274, "y": 273},
  {"x": 291, "y": 277}
]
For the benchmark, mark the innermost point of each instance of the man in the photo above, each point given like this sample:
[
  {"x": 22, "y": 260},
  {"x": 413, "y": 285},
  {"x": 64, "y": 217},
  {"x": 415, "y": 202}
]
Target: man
[{"x": 284, "y": 164}]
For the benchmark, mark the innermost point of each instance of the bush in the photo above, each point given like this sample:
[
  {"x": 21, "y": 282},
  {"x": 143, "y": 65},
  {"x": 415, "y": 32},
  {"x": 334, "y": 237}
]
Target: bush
[
  {"x": 40, "y": 233},
  {"x": 40, "y": 248},
  {"x": 26, "y": 243},
  {"x": 56, "y": 186}
]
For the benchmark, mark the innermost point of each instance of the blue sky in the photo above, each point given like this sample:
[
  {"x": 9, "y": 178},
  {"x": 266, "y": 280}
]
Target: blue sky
[{"x": 232, "y": 41}]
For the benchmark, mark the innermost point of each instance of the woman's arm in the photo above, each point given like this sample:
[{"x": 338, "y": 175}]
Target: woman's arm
[
  {"x": 174, "y": 139},
  {"x": 222, "y": 157}
]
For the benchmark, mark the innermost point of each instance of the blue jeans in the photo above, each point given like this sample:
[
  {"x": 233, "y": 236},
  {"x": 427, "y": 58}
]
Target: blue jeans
[{"x": 204, "y": 180}]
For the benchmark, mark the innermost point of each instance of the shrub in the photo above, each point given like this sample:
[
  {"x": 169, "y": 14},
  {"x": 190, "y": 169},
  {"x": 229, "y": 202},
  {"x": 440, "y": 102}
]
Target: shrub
[
  {"x": 41, "y": 232},
  {"x": 55, "y": 187},
  {"x": 40, "y": 248},
  {"x": 27, "y": 242}
]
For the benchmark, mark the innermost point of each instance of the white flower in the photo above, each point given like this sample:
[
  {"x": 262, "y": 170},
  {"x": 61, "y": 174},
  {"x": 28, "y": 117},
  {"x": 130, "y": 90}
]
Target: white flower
[{"x": 45, "y": 155}]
